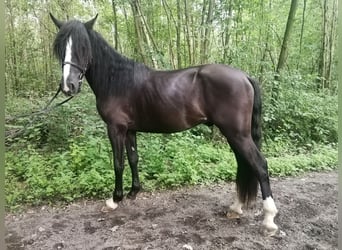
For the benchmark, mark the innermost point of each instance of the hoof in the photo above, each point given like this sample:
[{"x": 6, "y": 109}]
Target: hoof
[
  {"x": 270, "y": 230},
  {"x": 131, "y": 196},
  {"x": 233, "y": 215},
  {"x": 111, "y": 204}
]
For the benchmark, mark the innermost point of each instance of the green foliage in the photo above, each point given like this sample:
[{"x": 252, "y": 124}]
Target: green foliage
[
  {"x": 183, "y": 158},
  {"x": 298, "y": 113},
  {"x": 323, "y": 157},
  {"x": 245, "y": 34},
  {"x": 83, "y": 170}
]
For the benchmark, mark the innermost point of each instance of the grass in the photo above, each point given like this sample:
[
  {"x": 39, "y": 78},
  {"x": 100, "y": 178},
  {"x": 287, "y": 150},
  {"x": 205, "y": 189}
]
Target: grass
[{"x": 85, "y": 170}]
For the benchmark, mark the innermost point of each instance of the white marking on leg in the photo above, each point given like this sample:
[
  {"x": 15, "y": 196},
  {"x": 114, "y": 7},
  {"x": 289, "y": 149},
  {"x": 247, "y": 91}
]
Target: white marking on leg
[
  {"x": 235, "y": 210},
  {"x": 111, "y": 204},
  {"x": 237, "y": 206},
  {"x": 133, "y": 149},
  {"x": 270, "y": 211},
  {"x": 67, "y": 67}
]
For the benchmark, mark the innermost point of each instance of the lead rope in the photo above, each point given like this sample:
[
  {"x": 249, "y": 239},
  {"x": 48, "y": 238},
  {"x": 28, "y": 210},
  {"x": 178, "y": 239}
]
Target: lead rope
[
  {"x": 58, "y": 104},
  {"x": 35, "y": 115}
]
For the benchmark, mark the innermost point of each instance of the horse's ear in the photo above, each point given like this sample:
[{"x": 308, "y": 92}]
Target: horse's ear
[
  {"x": 89, "y": 25},
  {"x": 58, "y": 23}
]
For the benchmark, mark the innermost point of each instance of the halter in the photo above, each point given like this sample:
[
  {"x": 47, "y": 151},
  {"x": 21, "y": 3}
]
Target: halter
[{"x": 83, "y": 70}]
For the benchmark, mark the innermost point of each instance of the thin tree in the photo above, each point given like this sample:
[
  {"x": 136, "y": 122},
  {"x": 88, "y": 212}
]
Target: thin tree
[
  {"x": 116, "y": 34},
  {"x": 285, "y": 43},
  {"x": 207, "y": 19},
  {"x": 328, "y": 27},
  {"x": 301, "y": 34}
]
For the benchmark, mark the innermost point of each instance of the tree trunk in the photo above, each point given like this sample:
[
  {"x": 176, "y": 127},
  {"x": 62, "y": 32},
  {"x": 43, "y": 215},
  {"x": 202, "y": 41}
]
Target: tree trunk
[
  {"x": 331, "y": 42},
  {"x": 116, "y": 34},
  {"x": 14, "y": 86},
  {"x": 301, "y": 35},
  {"x": 138, "y": 31},
  {"x": 226, "y": 33},
  {"x": 328, "y": 37},
  {"x": 322, "y": 60},
  {"x": 178, "y": 35},
  {"x": 145, "y": 32},
  {"x": 169, "y": 16},
  {"x": 187, "y": 32},
  {"x": 284, "y": 46},
  {"x": 207, "y": 30}
]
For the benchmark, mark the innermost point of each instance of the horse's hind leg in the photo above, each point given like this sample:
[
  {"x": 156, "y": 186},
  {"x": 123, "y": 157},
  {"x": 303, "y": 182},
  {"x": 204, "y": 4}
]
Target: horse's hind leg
[
  {"x": 252, "y": 164},
  {"x": 132, "y": 155},
  {"x": 236, "y": 207}
]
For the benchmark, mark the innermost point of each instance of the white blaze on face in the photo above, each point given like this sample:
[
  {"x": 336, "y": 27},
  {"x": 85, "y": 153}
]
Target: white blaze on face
[{"x": 66, "y": 67}]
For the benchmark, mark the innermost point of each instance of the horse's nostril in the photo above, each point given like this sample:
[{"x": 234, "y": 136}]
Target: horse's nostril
[{"x": 72, "y": 86}]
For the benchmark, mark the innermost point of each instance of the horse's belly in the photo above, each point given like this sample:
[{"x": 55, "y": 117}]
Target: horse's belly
[{"x": 169, "y": 122}]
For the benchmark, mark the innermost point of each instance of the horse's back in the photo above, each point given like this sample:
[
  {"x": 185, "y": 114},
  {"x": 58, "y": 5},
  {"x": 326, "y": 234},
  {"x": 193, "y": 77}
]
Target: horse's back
[{"x": 223, "y": 78}]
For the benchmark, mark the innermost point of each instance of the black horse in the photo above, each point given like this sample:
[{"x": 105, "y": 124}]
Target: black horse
[{"x": 131, "y": 97}]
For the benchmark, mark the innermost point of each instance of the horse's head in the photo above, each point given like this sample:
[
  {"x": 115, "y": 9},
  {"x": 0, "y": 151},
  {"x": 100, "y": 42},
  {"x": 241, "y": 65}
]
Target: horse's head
[{"x": 73, "y": 49}]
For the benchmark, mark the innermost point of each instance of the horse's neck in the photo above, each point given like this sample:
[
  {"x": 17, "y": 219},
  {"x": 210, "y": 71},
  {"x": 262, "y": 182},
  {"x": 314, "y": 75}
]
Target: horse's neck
[{"x": 113, "y": 74}]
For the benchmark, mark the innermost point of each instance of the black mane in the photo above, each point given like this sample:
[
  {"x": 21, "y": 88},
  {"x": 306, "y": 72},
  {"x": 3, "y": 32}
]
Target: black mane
[
  {"x": 109, "y": 73},
  {"x": 115, "y": 73}
]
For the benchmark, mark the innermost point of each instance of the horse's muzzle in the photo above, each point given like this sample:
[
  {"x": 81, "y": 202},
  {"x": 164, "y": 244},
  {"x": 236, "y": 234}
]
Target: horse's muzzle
[{"x": 71, "y": 88}]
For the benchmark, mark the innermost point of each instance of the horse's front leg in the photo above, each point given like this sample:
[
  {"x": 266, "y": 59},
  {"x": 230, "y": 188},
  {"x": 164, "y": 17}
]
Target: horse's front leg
[
  {"x": 132, "y": 155},
  {"x": 117, "y": 137}
]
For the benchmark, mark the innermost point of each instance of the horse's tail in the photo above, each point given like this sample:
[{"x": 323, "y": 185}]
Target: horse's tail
[
  {"x": 256, "y": 115},
  {"x": 246, "y": 180}
]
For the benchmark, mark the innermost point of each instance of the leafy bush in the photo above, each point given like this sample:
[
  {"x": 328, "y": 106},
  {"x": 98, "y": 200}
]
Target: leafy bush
[
  {"x": 298, "y": 113},
  {"x": 320, "y": 158},
  {"x": 183, "y": 158}
]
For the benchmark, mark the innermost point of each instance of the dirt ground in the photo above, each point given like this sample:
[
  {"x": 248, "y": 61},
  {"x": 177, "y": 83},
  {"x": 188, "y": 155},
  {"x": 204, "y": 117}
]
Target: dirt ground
[{"x": 188, "y": 218}]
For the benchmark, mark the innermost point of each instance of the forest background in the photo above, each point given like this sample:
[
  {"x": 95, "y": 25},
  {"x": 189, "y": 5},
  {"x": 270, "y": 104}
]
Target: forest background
[{"x": 63, "y": 155}]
